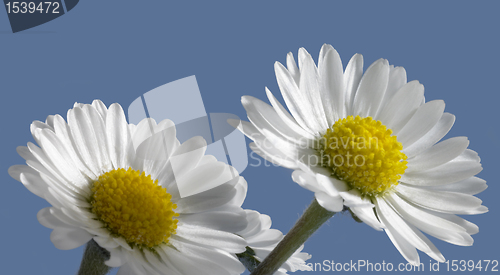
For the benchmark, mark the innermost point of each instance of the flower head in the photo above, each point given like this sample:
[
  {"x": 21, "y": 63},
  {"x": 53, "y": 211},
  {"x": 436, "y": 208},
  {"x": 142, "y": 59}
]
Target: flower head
[
  {"x": 370, "y": 142},
  {"x": 158, "y": 206}
]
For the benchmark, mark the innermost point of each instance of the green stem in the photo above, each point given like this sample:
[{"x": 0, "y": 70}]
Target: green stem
[
  {"x": 93, "y": 260},
  {"x": 314, "y": 216}
]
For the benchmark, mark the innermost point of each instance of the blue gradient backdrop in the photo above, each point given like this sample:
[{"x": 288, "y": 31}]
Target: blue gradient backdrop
[{"x": 117, "y": 50}]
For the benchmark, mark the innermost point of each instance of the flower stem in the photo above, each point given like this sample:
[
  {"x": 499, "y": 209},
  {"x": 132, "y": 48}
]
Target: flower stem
[
  {"x": 314, "y": 216},
  {"x": 93, "y": 260}
]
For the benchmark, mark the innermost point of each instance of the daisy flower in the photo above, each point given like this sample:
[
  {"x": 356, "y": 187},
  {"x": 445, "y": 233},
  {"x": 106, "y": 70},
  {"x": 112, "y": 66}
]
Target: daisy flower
[
  {"x": 369, "y": 142},
  {"x": 261, "y": 240},
  {"x": 113, "y": 183}
]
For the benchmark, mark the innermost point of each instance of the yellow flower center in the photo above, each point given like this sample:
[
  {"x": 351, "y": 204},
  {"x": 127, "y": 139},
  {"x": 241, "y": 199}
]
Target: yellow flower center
[
  {"x": 363, "y": 153},
  {"x": 135, "y": 207}
]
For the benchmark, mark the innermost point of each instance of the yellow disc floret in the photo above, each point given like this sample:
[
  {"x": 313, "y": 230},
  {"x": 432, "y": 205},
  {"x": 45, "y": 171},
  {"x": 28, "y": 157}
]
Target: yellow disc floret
[
  {"x": 135, "y": 207},
  {"x": 363, "y": 153}
]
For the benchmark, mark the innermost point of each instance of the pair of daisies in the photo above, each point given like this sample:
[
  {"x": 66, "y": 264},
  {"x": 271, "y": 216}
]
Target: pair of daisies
[{"x": 368, "y": 142}]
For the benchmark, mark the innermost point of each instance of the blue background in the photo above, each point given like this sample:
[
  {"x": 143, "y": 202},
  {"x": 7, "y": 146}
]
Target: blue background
[{"x": 117, "y": 50}]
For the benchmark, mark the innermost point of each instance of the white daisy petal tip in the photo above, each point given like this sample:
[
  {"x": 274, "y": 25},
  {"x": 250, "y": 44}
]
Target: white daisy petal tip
[
  {"x": 330, "y": 203},
  {"x": 117, "y": 258},
  {"x": 306, "y": 180},
  {"x": 78, "y": 161},
  {"x": 246, "y": 99}
]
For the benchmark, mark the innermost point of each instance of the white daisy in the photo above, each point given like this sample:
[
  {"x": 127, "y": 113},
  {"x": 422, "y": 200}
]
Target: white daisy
[
  {"x": 113, "y": 182},
  {"x": 262, "y": 240},
  {"x": 368, "y": 141}
]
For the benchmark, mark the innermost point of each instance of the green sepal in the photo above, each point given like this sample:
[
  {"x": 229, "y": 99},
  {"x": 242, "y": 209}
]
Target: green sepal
[{"x": 248, "y": 259}]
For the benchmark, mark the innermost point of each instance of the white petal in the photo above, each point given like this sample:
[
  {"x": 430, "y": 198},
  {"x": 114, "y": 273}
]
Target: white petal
[
  {"x": 101, "y": 108},
  {"x": 64, "y": 134},
  {"x": 306, "y": 180},
  {"x": 15, "y": 171},
  {"x": 241, "y": 192},
  {"x": 402, "y": 106},
  {"x": 445, "y": 202},
  {"x": 99, "y": 129},
  {"x": 50, "y": 121},
  {"x": 309, "y": 85},
  {"x": 430, "y": 223},
  {"x": 188, "y": 155},
  {"x": 241, "y": 188},
  {"x": 253, "y": 224},
  {"x": 330, "y": 185},
  {"x": 296, "y": 101},
  {"x": 56, "y": 152},
  {"x": 264, "y": 117},
  {"x": 352, "y": 76},
  {"x": 265, "y": 238},
  {"x": 212, "y": 238},
  {"x": 434, "y": 135},
  {"x": 438, "y": 154},
  {"x": 205, "y": 201},
  {"x": 30, "y": 179},
  {"x": 106, "y": 242},
  {"x": 371, "y": 89},
  {"x": 407, "y": 231},
  {"x": 471, "y": 186},
  {"x": 230, "y": 219},
  {"x": 117, "y": 258},
  {"x": 62, "y": 188},
  {"x": 287, "y": 118},
  {"x": 69, "y": 238},
  {"x": 36, "y": 127},
  {"x": 333, "y": 204},
  {"x": 123, "y": 243},
  {"x": 143, "y": 130},
  {"x": 203, "y": 178},
  {"x": 229, "y": 263},
  {"x": 67, "y": 219},
  {"x": 138, "y": 265},
  {"x": 118, "y": 136},
  {"x": 421, "y": 122},
  {"x": 468, "y": 156},
  {"x": 450, "y": 172},
  {"x": 82, "y": 133},
  {"x": 397, "y": 78},
  {"x": 51, "y": 199},
  {"x": 265, "y": 221},
  {"x": 332, "y": 88},
  {"x": 154, "y": 264},
  {"x": 48, "y": 220},
  {"x": 407, "y": 250},
  {"x": 153, "y": 152},
  {"x": 367, "y": 215},
  {"x": 62, "y": 182},
  {"x": 352, "y": 198},
  {"x": 469, "y": 227},
  {"x": 183, "y": 262},
  {"x": 292, "y": 68}
]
